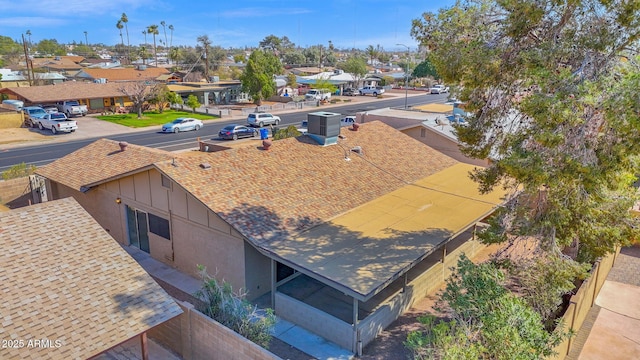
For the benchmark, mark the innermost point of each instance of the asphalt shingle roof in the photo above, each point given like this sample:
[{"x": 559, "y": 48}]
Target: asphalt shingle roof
[
  {"x": 297, "y": 183},
  {"x": 99, "y": 162},
  {"x": 126, "y": 74},
  {"x": 70, "y": 90},
  {"x": 66, "y": 283}
]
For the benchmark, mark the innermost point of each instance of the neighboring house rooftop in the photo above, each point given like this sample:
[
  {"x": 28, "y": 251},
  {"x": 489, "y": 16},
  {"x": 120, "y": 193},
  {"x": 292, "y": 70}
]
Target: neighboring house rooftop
[
  {"x": 125, "y": 74},
  {"x": 69, "y": 90},
  {"x": 100, "y": 162},
  {"x": 64, "y": 278}
]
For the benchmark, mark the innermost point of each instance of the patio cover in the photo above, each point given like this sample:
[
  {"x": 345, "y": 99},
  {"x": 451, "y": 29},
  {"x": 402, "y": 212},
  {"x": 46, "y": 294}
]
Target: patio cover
[
  {"x": 69, "y": 291},
  {"x": 364, "y": 250}
]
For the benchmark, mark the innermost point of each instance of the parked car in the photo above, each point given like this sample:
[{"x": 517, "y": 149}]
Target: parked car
[
  {"x": 349, "y": 92},
  {"x": 16, "y": 104},
  {"x": 236, "y": 131},
  {"x": 261, "y": 119},
  {"x": 56, "y": 122},
  {"x": 439, "y": 89},
  {"x": 317, "y": 94},
  {"x": 182, "y": 124},
  {"x": 371, "y": 90},
  {"x": 50, "y": 108},
  {"x": 31, "y": 114},
  {"x": 347, "y": 121},
  {"x": 72, "y": 108}
]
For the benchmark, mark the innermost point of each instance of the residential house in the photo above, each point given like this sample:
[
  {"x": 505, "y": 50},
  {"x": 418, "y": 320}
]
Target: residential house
[
  {"x": 97, "y": 97},
  {"x": 433, "y": 125},
  {"x": 69, "y": 291},
  {"x": 339, "y": 230},
  {"x": 337, "y": 78},
  {"x": 149, "y": 74},
  {"x": 65, "y": 65},
  {"x": 218, "y": 92}
]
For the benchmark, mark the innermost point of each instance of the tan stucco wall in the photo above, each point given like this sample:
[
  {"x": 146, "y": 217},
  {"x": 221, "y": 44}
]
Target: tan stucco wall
[
  {"x": 10, "y": 120},
  {"x": 257, "y": 272},
  {"x": 442, "y": 144},
  {"x": 198, "y": 236}
]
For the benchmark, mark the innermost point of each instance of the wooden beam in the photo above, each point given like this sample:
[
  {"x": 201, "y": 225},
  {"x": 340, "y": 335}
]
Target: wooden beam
[{"x": 143, "y": 346}]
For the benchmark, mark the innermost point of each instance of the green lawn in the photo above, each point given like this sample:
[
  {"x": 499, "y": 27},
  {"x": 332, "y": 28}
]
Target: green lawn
[{"x": 151, "y": 118}]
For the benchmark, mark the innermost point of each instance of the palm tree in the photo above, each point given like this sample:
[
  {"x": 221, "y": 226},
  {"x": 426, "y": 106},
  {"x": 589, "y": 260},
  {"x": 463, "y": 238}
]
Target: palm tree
[
  {"x": 164, "y": 29},
  {"x": 86, "y": 39},
  {"x": 171, "y": 42},
  {"x": 120, "y": 26},
  {"x": 153, "y": 30},
  {"x": 143, "y": 54},
  {"x": 144, "y": 32},
  {"x": 29, "y": 35},
  {"x": 125, "y": 20}
]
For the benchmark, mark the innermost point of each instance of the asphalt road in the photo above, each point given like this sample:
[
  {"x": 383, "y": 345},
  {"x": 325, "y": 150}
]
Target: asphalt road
[{"x": 39, "y": 155}]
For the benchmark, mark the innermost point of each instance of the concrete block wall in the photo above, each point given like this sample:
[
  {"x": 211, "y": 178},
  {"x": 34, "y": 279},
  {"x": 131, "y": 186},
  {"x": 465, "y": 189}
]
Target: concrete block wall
[
  {"x": 194, "y": 336},
  {"x": 314, "y": 320},
  {"x": 13, "y": 189}
]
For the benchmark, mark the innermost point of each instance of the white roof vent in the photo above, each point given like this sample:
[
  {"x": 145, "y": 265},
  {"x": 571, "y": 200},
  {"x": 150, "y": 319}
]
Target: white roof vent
[{"x": 357, "y": 150}]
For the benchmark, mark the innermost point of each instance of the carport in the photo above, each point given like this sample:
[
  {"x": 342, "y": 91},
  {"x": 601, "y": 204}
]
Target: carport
[{"x": 355, "y": 274}]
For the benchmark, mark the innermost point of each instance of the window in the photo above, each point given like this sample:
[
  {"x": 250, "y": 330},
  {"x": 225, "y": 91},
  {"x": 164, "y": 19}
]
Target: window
[
  {"x": 423, "y": 132},
  {"x": 159, "y": 226},
  {"x": 165, "y": 181}
]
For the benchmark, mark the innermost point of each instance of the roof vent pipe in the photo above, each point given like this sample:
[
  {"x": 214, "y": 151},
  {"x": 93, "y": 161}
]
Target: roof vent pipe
[{"x": 123, "y": 145}]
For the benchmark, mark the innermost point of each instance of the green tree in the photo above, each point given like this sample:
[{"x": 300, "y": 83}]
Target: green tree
[
  {"x": 50, "y": 47},
  {"x": 272, "y": 43},
  {"x": 292, "y": 80},
  {"x": 293, "y": 57},
  {"x": 18, "y": 171},
  {"x": 372, "y": 52},
  {"x": 554, "y": 103},
  {"x": 162, "y": 97},
  {"x": 257, "y": 78},
  {"x": 289, "y": 131},
  {"x": 487, "y": 320},
  {"x": 356, "y": 66},
  {"x": 138, "y": 93},
  {"x": 192, "y": 102},
  {"x": 424, "y": 69}
]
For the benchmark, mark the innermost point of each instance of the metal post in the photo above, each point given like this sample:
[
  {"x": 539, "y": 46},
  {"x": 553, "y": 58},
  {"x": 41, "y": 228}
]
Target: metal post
[{"x": 406, "y": 76}]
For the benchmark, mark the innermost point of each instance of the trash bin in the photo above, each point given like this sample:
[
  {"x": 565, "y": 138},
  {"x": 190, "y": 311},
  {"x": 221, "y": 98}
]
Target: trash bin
[{"x": 264, "y": 134}]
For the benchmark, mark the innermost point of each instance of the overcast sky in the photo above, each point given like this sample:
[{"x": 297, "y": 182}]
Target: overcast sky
[{"x": 347, "y": 23}]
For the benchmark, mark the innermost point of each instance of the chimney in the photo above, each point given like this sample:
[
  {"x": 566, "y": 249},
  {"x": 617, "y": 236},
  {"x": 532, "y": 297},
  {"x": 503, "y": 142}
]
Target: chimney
[{"x": 123, "y": 145}]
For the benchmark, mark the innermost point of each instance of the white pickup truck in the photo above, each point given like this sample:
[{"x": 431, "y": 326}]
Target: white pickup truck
[
  {"x": 371, "y": 90},
  {"x": 56, "y": 122},
  {"x": 71, "y": 108}
]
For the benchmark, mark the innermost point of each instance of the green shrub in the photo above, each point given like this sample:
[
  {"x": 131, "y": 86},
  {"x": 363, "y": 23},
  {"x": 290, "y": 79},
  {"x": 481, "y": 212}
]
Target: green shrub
[
  {"x": 289, "y": 131},
  {"x": 18, "y": 171},
  {"x": 234, "y": 311}
]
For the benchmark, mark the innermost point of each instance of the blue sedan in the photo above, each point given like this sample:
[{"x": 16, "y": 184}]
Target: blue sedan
[
  {"x": 236, "y": 131},
  {"x": 182, "y": 124}
]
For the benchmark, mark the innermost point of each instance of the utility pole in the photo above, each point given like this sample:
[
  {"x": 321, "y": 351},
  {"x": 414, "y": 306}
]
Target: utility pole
[
  {"x": 27, "y": 60},
  {"x": 206, "y": 62},
  {"x": 406, "y": 76}
]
